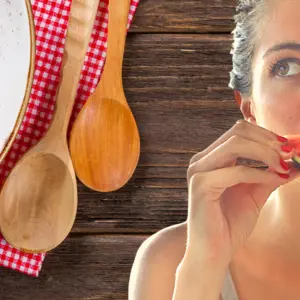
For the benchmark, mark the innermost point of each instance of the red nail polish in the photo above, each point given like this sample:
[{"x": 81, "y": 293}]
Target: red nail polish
[
  {"x": 282, "y": 139},
  {"x": 284, "y": 164},
  {"x": 284, "y": 175},
  {"x": 286, "y": 148}
]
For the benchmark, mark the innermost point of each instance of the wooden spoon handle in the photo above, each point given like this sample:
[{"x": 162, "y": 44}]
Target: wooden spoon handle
[
  {"x": 117, "y": 30},
  {"x": 81, "y": 22}
]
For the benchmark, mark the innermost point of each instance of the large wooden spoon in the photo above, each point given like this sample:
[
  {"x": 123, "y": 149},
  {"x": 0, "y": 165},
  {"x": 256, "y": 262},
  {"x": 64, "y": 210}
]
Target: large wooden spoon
[
  {"x": 104, "y": 141},
  {"x": 38, "y": 202}
]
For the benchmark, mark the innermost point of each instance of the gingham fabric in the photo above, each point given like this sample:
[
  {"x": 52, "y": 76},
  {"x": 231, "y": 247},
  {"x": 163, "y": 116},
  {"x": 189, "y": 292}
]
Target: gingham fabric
[{"x": 51, "y": 19}]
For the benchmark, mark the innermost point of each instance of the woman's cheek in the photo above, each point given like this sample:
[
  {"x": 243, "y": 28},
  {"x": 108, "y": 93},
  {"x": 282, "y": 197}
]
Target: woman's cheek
[{"x": 278, "y": 106}]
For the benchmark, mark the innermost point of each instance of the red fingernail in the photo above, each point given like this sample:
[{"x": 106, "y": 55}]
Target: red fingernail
[
  {"x": 284, "y": 164},
  {"x": 281, "y": 139},
  {"x": 284, "y": 175},
  {"x": 287, "y": 148}
]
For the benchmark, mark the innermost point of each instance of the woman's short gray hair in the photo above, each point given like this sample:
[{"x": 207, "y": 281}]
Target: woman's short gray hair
[{"x": 245, "y": 36}]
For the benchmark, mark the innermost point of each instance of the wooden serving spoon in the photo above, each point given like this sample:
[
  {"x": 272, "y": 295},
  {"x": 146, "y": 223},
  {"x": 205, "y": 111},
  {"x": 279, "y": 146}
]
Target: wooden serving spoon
[
  {"x": 38, "y": 202},
  {"x": 104, "y": 141}
]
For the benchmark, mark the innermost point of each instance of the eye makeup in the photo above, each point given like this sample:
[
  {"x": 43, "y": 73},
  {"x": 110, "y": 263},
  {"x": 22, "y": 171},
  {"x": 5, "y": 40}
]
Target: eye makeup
[{"x": 274, "y": 67}]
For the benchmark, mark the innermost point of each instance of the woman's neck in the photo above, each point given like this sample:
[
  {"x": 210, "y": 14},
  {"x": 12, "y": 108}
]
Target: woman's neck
[{"x": 278, "y": 227}]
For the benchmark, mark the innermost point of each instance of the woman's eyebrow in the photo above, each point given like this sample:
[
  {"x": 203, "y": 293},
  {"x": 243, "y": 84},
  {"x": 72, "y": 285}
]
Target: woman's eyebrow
[{"x": 281, "y": 46}]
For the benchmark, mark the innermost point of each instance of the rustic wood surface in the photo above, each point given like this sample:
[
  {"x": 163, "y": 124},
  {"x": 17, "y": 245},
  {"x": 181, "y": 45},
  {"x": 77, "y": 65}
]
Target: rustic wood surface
[
  {"x": 184, "y": 16},
  {"x": 176, "y": 74}
]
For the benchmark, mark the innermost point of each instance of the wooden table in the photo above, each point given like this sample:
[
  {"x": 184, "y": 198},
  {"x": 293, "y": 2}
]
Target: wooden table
[{"x": 176, "y": 80}]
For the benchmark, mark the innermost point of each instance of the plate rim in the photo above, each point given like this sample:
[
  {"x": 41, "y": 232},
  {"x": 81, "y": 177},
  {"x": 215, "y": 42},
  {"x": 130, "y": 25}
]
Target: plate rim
[{"x": 30, "y": 75}]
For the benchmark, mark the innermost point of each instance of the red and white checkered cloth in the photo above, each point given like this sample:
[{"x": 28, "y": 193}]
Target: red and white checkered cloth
[{"x": 51, "y": 20}]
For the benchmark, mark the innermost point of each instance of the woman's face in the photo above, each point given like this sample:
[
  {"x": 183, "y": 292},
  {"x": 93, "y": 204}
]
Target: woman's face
[{"x": 275, "y": 100}]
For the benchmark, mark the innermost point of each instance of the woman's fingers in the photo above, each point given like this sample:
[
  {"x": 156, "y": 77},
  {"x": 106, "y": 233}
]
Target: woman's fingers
[
  {"x": 237, "y": 146},
  {"x": 249, "y": 131},
  {"x": 210, "y": 185}
]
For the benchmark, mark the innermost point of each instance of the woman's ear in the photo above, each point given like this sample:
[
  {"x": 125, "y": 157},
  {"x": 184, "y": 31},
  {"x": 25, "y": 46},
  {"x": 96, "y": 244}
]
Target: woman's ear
[
  {"x": 238, "y": 98},
  {"x": 245, "y": 106}
]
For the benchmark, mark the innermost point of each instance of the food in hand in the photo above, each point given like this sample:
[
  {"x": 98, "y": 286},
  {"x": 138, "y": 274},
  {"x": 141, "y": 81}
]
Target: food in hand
[{"x": 294, "y": 140}]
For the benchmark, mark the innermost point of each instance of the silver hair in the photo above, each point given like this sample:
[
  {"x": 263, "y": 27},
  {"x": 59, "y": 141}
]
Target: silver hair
[{"x": 243, "y": 47}]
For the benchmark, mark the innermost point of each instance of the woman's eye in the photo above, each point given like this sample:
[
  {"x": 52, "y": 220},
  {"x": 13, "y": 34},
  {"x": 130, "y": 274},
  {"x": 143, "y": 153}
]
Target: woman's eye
[{"x": 286, "y": 69}]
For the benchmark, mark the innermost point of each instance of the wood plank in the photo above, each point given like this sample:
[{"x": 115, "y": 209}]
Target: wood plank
[
  {"x": 184, "y": 16},
  {"x": 83, "y": 267},
  {"x": 177, "y": 67},
  {"x": 144, "y": 205},
  {"x": 133, "y": 208},
  {"x": 172, "y": 80}
]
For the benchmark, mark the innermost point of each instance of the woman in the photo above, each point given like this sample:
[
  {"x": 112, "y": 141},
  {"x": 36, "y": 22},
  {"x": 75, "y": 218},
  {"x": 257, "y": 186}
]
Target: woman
[{"x": 241, "y": 239}]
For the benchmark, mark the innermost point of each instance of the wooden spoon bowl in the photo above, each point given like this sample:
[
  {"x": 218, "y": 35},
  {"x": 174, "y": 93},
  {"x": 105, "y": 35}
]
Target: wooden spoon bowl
[
  {"x": 111, "y": 169},
  {"x": 46, "y": 214}
]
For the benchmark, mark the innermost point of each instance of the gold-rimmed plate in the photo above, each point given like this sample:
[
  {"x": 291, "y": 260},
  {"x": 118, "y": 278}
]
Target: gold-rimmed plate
[{"x": 17, "y": 58}]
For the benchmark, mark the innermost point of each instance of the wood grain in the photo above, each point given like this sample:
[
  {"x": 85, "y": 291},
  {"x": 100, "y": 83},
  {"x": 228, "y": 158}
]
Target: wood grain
[
  {"x": 184, "y": 16},
  {"x": 178, "y": 90},
  {"x": 83, "y": 267},
  {"x": 191, "y": 68}
]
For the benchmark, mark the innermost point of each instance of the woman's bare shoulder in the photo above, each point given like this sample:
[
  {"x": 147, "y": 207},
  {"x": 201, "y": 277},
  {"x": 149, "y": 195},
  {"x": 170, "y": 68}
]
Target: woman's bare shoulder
[
  {"x": 153, "y": 271},
  {"x": 168, "y": 243},
  {"x": 156, "y": 261}
]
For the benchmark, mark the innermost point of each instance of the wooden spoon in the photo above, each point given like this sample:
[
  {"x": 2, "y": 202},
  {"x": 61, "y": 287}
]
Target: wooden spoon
[
  {"x": 38, "y": 202},
  {"x": 104, "y": 141}
]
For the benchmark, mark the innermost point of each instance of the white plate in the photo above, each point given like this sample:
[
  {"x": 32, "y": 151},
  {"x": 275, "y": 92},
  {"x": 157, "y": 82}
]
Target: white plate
[{"x": 17, "y": 51}]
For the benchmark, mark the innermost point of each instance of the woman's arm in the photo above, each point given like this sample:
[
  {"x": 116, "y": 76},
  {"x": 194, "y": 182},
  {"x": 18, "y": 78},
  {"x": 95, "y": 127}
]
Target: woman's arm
[
  {"x": 153, "y": 272},
  {"x": 199, "y": 278},
  {"x": 162, "y": 269}
]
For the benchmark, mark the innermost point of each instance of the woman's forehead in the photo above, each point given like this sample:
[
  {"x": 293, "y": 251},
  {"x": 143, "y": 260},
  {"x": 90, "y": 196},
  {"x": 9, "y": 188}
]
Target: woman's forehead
[{"x": 281, "y": 24}]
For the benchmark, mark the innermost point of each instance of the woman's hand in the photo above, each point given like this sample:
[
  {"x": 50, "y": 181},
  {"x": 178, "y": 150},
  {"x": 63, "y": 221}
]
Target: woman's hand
[{"x": 225, "y": 200}]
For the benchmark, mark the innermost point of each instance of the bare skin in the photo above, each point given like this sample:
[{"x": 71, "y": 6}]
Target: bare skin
[{"x": 267, "y": 265}]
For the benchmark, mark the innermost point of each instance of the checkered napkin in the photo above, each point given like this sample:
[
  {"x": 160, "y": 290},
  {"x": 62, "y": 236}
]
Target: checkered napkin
[{"x": 51, "y": 20}]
